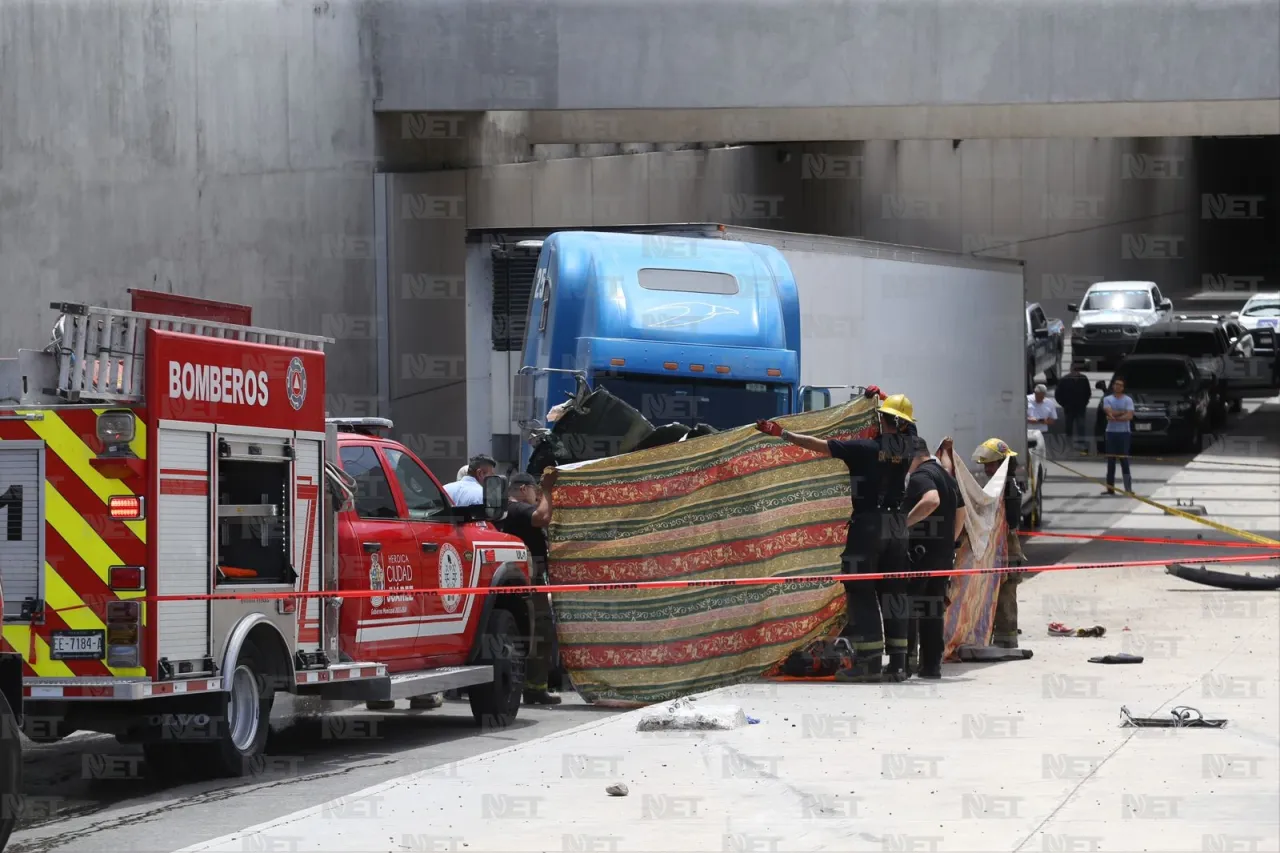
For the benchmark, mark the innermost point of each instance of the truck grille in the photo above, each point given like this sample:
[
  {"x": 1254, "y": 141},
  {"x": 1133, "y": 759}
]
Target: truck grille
[{"x": 1111, "y": 331}]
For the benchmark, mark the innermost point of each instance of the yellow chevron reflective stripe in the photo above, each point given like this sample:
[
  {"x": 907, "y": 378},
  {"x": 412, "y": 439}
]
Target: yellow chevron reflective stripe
[
  {"x": 61, "y": 597},
  {"x": 63, "y": 441},
  {"x": 19, "y": 637},
  {"x": 78, "y": 533},
  {"x": 139, "y": 443}
]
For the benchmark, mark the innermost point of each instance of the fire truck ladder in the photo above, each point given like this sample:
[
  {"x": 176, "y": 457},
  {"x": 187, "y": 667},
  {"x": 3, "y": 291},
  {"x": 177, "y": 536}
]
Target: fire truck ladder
[{"x": 101, "y": 351}]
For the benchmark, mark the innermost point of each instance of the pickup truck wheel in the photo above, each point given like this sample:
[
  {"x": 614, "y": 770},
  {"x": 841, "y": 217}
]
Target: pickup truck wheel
[
  {"x": 241, "y": 719},
  {"x": 498, "y": 702},
  {"x": 10, "y": 770}
]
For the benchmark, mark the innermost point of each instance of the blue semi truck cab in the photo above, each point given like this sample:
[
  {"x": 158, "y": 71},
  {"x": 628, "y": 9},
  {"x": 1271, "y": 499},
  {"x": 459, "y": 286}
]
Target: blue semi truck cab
[{"x": 690, "y": 329}]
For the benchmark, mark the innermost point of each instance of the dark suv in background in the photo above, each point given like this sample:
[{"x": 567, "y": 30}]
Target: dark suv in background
[{"x": 1171, "y": 400}]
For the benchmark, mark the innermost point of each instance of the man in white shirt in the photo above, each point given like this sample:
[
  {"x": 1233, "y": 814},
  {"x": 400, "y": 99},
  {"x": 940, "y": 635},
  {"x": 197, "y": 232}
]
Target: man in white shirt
[
  {"x": 1041, "y": 411},
  {"x": 468, "y": 491}
]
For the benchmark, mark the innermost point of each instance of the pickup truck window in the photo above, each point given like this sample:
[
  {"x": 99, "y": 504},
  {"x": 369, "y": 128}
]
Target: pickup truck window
[
  {"x": 422, "y": 496},
  {"x": 1038, "y": 320},
  {"x": 373, "y": 490},
  {"x": 688, "y": 281},
  {"x": 1117, "y": 300},
  {"x": 1187, "y": 343}
]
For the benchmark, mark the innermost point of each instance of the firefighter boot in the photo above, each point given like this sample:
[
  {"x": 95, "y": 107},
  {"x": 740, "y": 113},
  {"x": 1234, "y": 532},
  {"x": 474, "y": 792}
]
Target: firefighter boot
[{"x": 896, "y": 671}]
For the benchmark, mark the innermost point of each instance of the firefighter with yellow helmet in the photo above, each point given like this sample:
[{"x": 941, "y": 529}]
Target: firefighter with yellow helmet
[
  {"x": 991, "y": 454},
  {"x": 877, "y": 535}
]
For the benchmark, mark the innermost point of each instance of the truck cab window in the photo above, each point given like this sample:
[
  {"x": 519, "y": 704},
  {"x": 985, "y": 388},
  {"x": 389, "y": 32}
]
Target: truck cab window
[
  {"x": 373, "y": 490},
  {"x": 422, "y": 496},
  {"x": 253, "y": 522}
]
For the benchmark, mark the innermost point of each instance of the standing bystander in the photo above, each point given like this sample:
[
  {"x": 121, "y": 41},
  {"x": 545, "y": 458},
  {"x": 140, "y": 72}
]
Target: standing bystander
[
  {"x": 1041, "y": 411},
  {"x": 1073, "y": 395},
  {"x": 1118, "y": 408}
]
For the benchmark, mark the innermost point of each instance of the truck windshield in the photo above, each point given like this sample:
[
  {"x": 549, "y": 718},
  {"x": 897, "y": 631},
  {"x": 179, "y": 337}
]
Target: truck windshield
[
  {"x": 1187, "y": 343},
  {"x": 1117, "y": 300},
  {"x": 721, "y": 404},
  {"x": 1155, "y": 376},
  {"x": 1263, "y": 309}
]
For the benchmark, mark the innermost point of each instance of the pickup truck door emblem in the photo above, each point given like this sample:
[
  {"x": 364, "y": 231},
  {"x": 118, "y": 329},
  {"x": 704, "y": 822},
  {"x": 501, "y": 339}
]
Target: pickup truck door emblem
[
  {"x": 675, "y": 314},
  {"x": 450, "y": 576},
  {"x": 377, "y": 579}
]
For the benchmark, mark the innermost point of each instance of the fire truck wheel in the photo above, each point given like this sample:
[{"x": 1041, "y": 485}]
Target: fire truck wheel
[
  {"x": 10, "y": 770},
  {"x": 244, "y": 716},
  {"x": 496, "y": 703}
]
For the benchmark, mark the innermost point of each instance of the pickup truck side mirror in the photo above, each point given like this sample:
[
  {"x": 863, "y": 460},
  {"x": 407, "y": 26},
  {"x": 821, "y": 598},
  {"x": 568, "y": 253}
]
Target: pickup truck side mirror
[
  {"x": 495, "y": 497},
  {"x": 1166, "y": 304},
  {"x": 1072, "y": 307},
  {"x": 1100, "y": 385},
  {"x": 1041, "y": 333}
]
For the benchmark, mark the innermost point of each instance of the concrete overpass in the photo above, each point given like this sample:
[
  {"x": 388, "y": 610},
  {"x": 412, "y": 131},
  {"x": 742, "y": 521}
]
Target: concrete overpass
[{"x": 743, "y": 71}]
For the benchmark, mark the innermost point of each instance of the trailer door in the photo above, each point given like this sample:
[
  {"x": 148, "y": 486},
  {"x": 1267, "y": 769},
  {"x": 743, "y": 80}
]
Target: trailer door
[
  {"x": 183, "y": 525},
  {"x": 21, "y": 525}
]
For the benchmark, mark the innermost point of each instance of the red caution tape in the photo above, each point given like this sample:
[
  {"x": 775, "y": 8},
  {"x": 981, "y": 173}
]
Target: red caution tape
[{"x": 693, "y": 584}]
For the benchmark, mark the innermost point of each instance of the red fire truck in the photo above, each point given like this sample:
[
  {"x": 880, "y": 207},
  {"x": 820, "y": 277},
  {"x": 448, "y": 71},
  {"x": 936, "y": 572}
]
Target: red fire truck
[{"x": 176, "y": 450}]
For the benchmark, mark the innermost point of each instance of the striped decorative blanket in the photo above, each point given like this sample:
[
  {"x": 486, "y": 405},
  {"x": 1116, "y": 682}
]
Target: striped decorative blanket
[{"x": 734, "y": 504}]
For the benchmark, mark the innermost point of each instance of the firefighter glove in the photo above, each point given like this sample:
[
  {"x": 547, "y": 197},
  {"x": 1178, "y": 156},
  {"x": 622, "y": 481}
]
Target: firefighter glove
[
  {"x": 772, "y": 428},
  {"x": 874, "y": 391}
]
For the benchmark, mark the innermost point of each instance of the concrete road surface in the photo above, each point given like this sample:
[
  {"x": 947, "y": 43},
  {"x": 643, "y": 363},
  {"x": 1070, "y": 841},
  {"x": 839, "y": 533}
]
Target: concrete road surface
[{"x": 1189, "y": 634}]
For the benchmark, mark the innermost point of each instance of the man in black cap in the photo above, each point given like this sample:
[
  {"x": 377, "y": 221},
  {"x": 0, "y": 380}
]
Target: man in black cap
[
  {"x": 877, "y": 538},
  {"x": 528, "y": 515}
]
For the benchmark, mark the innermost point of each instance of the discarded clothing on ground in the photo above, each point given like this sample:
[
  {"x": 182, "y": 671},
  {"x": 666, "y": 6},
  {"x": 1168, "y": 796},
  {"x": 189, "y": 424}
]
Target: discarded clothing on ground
[
  {"x": 1122, "y": 657},
  {"x": 1057, "y": 629}
]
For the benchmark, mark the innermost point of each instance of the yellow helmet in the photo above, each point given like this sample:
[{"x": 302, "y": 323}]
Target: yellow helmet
[
  {"x": 898, "y": 406},
  {"x": 992, "y": 450}
]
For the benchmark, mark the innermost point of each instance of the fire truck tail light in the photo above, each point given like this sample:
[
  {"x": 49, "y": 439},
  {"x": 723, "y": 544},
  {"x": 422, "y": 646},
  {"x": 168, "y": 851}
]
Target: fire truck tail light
[
  {"x": 124, "y": 633},
  {"x": 285, "y": 606},
  {"x": 125, "y": 507},
  {"x": 123, "y": 611},
  {"x": 127, "y": 578}
]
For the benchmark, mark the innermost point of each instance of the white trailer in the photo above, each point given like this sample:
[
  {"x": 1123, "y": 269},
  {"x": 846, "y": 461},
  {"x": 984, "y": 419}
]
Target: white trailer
[{"x": 944, "y": 329}]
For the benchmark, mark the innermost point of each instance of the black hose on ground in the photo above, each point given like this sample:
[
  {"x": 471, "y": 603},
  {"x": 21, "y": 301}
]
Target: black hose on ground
[{"x": 1224, "y": 580}]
